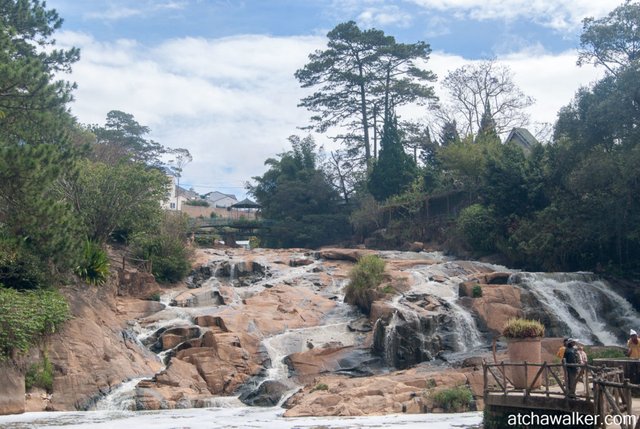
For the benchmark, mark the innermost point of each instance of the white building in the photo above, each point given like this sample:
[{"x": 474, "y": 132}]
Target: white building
[
  {"x": 174, "y": 199},
  {"x": 220, "y": 200}
]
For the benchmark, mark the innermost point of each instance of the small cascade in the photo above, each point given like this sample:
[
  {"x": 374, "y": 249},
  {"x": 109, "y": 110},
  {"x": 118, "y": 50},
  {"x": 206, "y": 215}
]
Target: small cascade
[
  {"x": 465, "y": 331},
  {"x": 121, "y": 398},
  {"x": 584, "y": 306}
]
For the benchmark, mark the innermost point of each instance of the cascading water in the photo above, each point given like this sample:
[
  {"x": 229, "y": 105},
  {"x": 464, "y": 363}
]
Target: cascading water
[
  {"x": 465, "y": 331},
  {"x": 587, "y": 306}
]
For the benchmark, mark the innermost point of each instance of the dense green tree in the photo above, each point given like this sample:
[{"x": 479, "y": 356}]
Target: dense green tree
[
  {"x": 124, "y": 197},
  {"x": 123, "y": 138},
  {"x": 614, "y": 40},
  {"x": 360, "y": 70},
  {"x": 32, "y": 101},
  {"x": 35, "y": 225},
  {"x": 449, "y": 133},
  {"x": 298, "y": 197},
  {"x": 394, "y": 171}
]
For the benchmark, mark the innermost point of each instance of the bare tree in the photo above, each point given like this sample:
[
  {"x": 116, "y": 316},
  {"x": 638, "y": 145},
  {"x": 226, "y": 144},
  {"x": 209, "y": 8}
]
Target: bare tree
[{"x": 475, "y": 87}]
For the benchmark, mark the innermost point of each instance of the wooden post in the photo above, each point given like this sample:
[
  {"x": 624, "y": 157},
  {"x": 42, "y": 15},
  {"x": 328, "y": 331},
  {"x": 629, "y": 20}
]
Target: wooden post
[
  {"x": 546, "y": 378},
  {"x": 526, "y": 377},
  {"x": 504, "y": 375},
  {"x": 123, "y": 261},
  {"x": 485, "y": 377}
]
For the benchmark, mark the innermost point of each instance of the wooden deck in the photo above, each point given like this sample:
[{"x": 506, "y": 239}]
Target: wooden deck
[{"x": 601, "y": 391}]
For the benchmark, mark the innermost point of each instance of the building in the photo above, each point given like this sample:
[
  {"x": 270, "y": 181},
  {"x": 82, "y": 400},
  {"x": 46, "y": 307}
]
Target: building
[
  {"x": 173, "y": 200},
  {"x": 220, "y": 200},
  {"x": 523, "y": 138}
]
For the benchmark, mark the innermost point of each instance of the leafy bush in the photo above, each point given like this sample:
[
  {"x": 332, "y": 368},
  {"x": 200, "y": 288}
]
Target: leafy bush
[
  {"x": 166, "y": 250},
  {"x": 94, "y": 265},
  {"x": 19, "y": 268},
  {"x": 455, "y": 399},
  {"x": 604, "y": 353},
  {"x": 364, "y": 278},
  {"x": 477, "y": 227},
  {"x": 40, "y": 375},
  {"x": 26, "y": 316},
  {"x": 198, "y": 203},
  {"x": 254, "y": 242},
  {"x": 523, "y": 328},
  {"x": 320, "y": 386},
  {"x": 476, "y": 291}
]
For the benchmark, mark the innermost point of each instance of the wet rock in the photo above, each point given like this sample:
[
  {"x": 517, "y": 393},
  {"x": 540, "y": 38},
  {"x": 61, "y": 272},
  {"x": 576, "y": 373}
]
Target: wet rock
[
  {"x": 299, "y": 262},
  {"x": 360, "y": 325},
  {"x": 407, "y": 339},
  {"x": 352, "y": 255},
  {"x": 268, "y": 394},
  {"x": 200, "y": 275},
  {"x": 174, "y": 336},
  {"x": 211, "y": 321}
]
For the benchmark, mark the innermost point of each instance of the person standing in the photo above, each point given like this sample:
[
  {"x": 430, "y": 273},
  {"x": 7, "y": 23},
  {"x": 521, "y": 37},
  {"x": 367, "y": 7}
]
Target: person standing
[
  {"x": 571, "y": 358},
  {"x": 563, "y": 347},
  {"x": 633, "y": 345}
]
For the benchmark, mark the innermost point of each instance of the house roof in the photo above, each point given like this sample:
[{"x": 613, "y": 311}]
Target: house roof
[
  {"x": 523, "y": 137},
  {"x": 187, "y": 193},
  {"x": 214, "y": 196},
  {"x": 246, "y": 204}
]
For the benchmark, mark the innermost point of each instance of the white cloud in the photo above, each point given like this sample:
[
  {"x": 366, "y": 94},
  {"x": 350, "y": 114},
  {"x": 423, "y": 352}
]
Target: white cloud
[
  {"x": 557, "y": 14},
  {"x": 118, "y": 11},
  {"x": 384, "y": 16},
  {"x": 233, "y": 101}
]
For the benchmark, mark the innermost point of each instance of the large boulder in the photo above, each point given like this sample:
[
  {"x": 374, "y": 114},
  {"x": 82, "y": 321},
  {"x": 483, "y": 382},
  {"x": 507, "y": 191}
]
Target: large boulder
[
  {"x": 498, "y": 304},
  {"x": 94, "y": 351},
  {"x": 268, "y": 394},
  {"x": 11, "y": 390}
]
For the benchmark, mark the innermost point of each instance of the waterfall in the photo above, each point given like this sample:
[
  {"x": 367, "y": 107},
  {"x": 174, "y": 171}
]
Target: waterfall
[
  {"x": 588, "y": 307},
  {"x": 466, "y": 334},
  {"x": 122, "y": 398}
]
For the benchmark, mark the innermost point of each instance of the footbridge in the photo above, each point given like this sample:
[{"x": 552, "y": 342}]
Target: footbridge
[{"x": 602, "y": 396}]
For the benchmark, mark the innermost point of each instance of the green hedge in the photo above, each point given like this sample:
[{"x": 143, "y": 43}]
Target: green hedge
[{"x": 27, "y": 316}]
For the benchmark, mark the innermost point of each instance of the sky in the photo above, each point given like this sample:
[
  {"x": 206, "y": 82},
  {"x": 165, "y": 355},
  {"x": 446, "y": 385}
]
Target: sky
[{"x": 217, "y": 76}]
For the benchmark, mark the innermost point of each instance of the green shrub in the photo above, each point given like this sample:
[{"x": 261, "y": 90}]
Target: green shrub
[
  {"x": 197, "y": 203},
  {"x": 364, "y": 279},
  {"x": 20, "y": 268},
  {"x": 476, "y": 291},
  {"x": 155, "y": 296},
  {"x": 523, "y": 328},
  {"x": 455, "y": 399},
  {"x": 254, "y": 242},
  {"x": 166, "y": 250},
  {"x": 40, "y": 375},
  {"x": 604, "y": 353},
  {"x": 320, "y": 386},
  {"x": 477, "y": 227},
  {"x": 94, "y": 265},
  {"x": 27, "y": 316}
]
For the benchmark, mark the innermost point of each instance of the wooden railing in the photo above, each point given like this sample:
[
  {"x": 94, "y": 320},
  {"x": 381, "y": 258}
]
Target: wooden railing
[{"x": 606, "y": 388}]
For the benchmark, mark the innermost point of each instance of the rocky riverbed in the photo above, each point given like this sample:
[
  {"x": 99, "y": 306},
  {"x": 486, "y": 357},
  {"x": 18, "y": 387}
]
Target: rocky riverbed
[{"x": 270, "y": 328}]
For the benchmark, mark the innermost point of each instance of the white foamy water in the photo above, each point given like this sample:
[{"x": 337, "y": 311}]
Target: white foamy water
[
  {"x": 237, "y": 417},
  {"x": 560, "y": 293},
  {"x": 467, "y": 334}
]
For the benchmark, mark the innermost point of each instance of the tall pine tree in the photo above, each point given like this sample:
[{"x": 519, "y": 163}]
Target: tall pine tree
[{"x": 395, "y": 170}]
